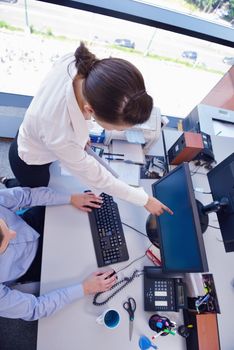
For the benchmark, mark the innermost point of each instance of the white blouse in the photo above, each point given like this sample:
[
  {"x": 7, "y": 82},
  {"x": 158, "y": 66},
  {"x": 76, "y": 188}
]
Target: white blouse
[{"x": 54, "y": 128}]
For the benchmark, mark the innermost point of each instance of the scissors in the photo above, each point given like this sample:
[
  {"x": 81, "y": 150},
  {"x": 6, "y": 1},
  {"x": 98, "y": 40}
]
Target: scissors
[{"x": 130, "y": 307}]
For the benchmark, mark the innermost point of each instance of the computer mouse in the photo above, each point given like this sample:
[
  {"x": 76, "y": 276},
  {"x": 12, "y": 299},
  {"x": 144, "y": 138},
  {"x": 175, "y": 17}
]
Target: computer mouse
[
  {"x": 112, "y": 274},
  {"x": 88, "y": 206}
]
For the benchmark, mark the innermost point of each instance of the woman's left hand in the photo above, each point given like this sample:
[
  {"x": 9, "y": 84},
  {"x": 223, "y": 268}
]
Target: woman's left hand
[{"x": 86, "y": 201}]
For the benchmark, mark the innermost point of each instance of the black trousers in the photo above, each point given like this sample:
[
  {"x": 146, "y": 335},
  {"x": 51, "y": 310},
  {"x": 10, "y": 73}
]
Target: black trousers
[
  {"x": 26, "y": 175},
  {"x": 35, "y": 217}
]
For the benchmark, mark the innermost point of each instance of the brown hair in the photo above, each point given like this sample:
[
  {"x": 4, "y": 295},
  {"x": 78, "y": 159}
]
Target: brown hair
[{"x": 114, "y": 88}]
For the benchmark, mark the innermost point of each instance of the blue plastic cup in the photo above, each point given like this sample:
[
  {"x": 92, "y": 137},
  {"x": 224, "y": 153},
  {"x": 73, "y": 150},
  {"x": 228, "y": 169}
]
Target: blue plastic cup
[{"x": 145, "y": 343}]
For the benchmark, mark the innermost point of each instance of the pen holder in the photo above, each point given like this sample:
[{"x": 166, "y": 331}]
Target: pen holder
[{"x": 161, "y": 324}]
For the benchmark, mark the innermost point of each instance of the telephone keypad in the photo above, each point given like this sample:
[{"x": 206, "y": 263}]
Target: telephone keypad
[
  {"x": 159, "y": 295},
  {"x": 161, "y": 290}
]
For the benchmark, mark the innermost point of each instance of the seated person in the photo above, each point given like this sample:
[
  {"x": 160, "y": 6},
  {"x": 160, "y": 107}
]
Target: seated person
[{"x": 20, "y": 251}]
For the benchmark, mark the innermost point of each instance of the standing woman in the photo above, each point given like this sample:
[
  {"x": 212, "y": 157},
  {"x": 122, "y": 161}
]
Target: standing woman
[{"x": 79, "y": 87}]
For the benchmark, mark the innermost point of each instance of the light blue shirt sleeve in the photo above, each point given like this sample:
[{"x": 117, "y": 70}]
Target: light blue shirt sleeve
[
  {"x": 15, "y": 304},
  {"x": 23, "y": 197}
]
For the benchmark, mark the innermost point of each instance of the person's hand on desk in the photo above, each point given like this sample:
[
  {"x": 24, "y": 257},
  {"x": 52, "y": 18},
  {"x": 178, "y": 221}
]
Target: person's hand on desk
[
  {"x": 154, "y": 206},
  {"x": 99, "y": 282},
  {"x": 86, "y": 201}
]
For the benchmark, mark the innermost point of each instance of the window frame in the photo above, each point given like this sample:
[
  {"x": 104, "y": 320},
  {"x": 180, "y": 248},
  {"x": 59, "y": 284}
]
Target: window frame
[{"x": 154, "y": 16}]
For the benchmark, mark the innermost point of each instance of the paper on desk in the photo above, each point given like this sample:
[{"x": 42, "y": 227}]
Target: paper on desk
[
  {"x": 131, "y": 151},
  {"x": 135, "y": 136},
  {"x": 129, "y": 173},
  {"x": 100, "y": 160}
]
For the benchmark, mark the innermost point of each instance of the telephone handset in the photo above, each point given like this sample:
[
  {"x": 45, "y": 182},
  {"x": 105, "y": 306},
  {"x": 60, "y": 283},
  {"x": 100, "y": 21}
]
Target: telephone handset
[{"x": 163, "y": 292}]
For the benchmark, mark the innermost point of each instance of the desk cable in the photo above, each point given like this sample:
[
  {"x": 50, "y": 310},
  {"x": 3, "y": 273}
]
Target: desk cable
[
  {"x": 198, "y": 165},
  {"x": 216, "y": 227},
  {"x": 125, "y": 280},
  {"x": 133, "y": 228},
  {"x": 200, "y": 190}
]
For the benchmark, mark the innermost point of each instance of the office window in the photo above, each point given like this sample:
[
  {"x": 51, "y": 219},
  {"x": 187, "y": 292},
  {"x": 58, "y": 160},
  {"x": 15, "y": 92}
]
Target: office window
[
  {"x": 179, "y": 70},
  {"x": 221, "y": 12}
]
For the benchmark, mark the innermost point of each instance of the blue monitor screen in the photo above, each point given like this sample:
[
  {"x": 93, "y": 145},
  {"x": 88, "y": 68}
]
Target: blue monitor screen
[{"x": 181, "y": 241}]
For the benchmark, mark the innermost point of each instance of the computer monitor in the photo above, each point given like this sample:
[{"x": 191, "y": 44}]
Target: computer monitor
[
  {"x": 180, "y": 236},
  {"x": 221, "y": 180}
]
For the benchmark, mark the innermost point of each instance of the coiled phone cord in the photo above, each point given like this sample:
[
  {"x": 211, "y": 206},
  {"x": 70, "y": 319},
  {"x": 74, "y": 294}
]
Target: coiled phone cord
[{"x": 125, "y": 280}]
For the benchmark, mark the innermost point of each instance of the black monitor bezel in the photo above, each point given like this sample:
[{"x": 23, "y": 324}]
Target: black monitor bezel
[
  {"x": 213, "y": 176},
  {"x": 226, "y": 161},
  {"x": 190, "y": 191}
]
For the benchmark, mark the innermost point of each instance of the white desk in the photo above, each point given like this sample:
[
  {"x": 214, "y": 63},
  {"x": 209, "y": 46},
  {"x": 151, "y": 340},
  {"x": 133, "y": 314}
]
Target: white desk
[{"x": 68, "y": 256}]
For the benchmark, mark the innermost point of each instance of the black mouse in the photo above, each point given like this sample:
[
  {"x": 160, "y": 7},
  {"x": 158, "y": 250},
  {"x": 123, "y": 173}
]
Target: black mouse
[
  {"x": 88, "y": 206},
  {"x": 112, "y": 274}
]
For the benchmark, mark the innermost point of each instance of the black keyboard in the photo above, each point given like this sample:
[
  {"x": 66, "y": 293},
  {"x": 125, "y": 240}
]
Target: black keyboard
[{"x": 107, "y": 231}]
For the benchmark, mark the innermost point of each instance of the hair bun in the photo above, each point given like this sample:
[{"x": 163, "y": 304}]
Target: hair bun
[
  {"x": 138, "y": 94},
  {"x": 138, "y": 108},
  {"x": 85, "y": 60}
]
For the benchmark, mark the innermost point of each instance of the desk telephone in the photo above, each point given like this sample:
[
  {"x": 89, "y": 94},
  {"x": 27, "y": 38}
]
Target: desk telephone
[{"x": 163, "y": 292}]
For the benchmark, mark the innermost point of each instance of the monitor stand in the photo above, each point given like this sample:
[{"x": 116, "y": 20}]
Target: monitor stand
[
  {"x": 204, "y": 210},
  {"x": 203, "y": 217},
  {"x": 151, "y": 230}
]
